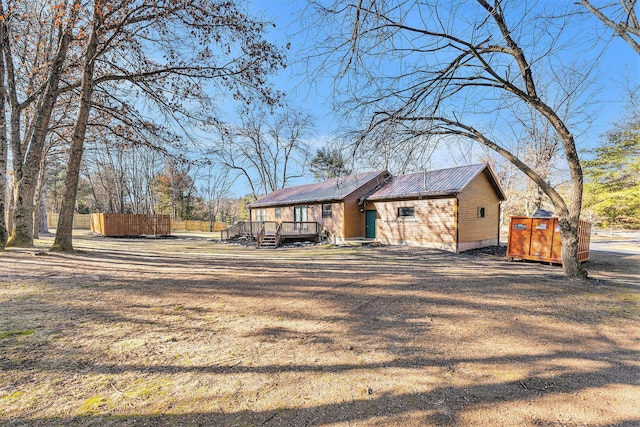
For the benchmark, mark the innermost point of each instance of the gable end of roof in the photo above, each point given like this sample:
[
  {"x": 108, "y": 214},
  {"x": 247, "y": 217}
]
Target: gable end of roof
[{"x": 436, "y": 183}]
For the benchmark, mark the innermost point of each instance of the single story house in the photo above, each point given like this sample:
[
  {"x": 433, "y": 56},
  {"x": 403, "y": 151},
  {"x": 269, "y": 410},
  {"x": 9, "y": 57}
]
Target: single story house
[
  {"x": 453, "y": 209},
  {"x": 335, "y": 205}
]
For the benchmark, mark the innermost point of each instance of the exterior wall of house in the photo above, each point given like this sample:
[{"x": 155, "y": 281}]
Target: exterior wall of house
[
  {"x": 333, "y": 224},
  {"x": 433, "y": 223},
  {"x": 467, "y": 221},
  {"x": 475, "y": 231},
  {"x": 346, "y": 219},
  {"x": 354, "y": 219},
  {"x": 286, "y": 213}
]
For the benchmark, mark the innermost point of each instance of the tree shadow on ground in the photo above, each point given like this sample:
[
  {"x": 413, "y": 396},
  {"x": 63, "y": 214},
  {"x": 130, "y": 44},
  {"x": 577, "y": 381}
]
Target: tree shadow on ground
[
  {"x": 392, "y": 309},
  {"x": 441, "y": 406}
]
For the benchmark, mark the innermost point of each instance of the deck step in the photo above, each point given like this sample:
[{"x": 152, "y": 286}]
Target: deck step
[{"x": 268, "y": 242}]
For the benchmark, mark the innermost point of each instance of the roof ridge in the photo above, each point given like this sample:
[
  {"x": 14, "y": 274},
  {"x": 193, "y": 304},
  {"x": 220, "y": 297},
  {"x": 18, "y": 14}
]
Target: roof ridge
[
  {"x": 331, "y": 189},
  {"x": 438, "y": 182},
  {"x": 440, "y": 170}
]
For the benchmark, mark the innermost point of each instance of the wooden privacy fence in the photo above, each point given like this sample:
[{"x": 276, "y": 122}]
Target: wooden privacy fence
[
  {"x": 127, "y": 225},
  {"x": 83, "y": 221},
  {"x": 80, "y": 221},
  {"x": 190, "y": 225}
]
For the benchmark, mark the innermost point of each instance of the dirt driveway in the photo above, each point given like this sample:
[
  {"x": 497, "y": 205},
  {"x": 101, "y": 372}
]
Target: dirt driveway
[{"x": 186, "y": 331}]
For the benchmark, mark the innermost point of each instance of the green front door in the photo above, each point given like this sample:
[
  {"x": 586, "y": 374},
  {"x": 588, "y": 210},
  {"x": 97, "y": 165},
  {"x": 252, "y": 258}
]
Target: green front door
[{"x": 371, "y": 224}]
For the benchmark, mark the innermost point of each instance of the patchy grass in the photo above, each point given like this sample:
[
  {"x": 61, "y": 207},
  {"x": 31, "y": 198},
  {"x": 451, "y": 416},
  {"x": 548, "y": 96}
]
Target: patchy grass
[
  {"x": 191, "y": 332},
  {"x": 92, "y": 405},
  {"x": 18, "y": 333}
]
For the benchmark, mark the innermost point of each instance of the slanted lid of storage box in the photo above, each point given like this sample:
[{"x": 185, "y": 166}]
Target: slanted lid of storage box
[{"x": 541, "y": 213}]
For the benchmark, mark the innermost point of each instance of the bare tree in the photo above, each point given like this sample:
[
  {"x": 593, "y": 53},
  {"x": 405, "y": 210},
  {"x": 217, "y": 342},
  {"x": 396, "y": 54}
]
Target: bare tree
[
  {"x": 142, "y": 165},
  {"x": 267, "y": 150},
  {"x": 202, "y": 43},
  {"x": 216, "y": 192},
  {"x": 458, "y": 68},
  {"x": 171, "y": 53},
  {"x": 106, "y": 168},
  {"x": 532, "y": 138},
  {"x": 35, "y": 46},
  {"x": 383, "y": 147},
  {"x": 621, "y": 18},
  {"x": 125, "y": 152},
  {"x": 3, "y": 148}
]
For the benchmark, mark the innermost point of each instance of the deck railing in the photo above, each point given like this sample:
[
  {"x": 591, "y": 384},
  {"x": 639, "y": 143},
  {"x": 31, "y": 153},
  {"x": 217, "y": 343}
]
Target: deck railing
[
  {"x": 269, "y": 228},
  {"x": 240, "y": 228},
  {"x": 260, "y": 237},
  {"x": 285, "y": 229},
  {"x": 279, "y": 235},
  {"x": 248, "y": 228},
  {"x": 297, "y": 228}
]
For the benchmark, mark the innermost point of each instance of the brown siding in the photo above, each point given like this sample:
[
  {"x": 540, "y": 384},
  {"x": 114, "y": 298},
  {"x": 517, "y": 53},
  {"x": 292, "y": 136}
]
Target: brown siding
[
  {"x": 432, "y": 226},
  {"x": 314, "y": 214},
  {"x": 354, "y": 219},
  {"x": 271, "y": 214},
  {"x": 346, "y": 220},
  {"x": 333, "y": 224},
  {"x": 478, "y": 193}
]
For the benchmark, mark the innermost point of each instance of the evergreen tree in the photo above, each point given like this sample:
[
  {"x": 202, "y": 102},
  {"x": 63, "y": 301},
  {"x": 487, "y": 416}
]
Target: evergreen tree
[
  {"x": 612, "y": 190},
  {"x": 328, "y": 163}
]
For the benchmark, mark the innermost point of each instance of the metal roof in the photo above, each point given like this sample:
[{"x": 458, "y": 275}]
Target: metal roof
[
  {"x": 443, "y": 182},
  {"x": 332, "y": 190}
]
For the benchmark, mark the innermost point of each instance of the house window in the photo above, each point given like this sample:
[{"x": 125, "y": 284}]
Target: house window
[
  {"x": 300, "y": 213},
  {"x": 278, "y": 212},
  {"x": 326, "y": 210},
  {"x": 406, "y": 211},
  {"x": 261, "y": 215},
  {"x": 480, "y": 212},
  {"x": 300, "y": 217}
]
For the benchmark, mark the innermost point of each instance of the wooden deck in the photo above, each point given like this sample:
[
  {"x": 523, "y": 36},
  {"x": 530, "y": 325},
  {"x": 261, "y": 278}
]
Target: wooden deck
[{"x": 271, "y": 234}]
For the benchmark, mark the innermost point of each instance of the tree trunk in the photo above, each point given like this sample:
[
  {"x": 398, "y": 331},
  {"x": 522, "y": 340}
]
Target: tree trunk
[
  {"x": 569, "y": 236},
  {"x": 41, "y": 209},
  {"x": 36, "y": 219},
  {"x": 64, "y": 239},
  {"x": 4, "y": 142},
  {"x": 43, "y": 226},
  {"x": 22, "y": 231},
  {"x": 3, "y": 150},
  {"x": 569, "y": 226},
  {"x": 37, "y": 215},
  {"x": 3, "y": 187},
  {"x": 3, "y": 181}
]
